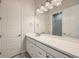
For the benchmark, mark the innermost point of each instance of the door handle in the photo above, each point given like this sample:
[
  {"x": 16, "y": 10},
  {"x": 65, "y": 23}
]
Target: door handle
[
  {"x": 0, "y": 53},
  {"x": 0, "y": 36},
  {"x": 0, "y": 18},
  {"x": 47, "y": 56},
  {"x": 19, "y": 35}
]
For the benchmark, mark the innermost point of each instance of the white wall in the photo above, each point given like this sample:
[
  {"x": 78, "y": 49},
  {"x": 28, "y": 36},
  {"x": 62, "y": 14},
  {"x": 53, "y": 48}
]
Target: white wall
[
  {"x": 71, "y": 21},
  {"x": 27, "y": 16},
  {"x": 41, "y": 23}
]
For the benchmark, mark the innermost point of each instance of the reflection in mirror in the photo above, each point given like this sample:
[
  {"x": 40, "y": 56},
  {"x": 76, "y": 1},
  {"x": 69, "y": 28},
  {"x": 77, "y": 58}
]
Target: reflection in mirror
[{"x": 55, "y": 22}]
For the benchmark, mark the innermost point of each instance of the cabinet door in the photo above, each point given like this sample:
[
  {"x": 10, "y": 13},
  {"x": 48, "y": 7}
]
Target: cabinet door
[
  {"x": 31, "y": 48},
  {"x": 28, "y": 45},
  {"x": 10, "y": 27},
  {"x": 40, "y": 53}
]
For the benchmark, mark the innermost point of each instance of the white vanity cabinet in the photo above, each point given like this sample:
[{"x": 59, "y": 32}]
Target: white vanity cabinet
[
  {"x": 31, "y": 48},
  {"x": 37, "y": 49},
  {"x": 51, "y": 51},
  {"x": 40, "y": 53}
]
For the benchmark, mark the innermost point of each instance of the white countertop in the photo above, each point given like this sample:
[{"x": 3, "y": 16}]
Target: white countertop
[{"x": 58, "y": 42}]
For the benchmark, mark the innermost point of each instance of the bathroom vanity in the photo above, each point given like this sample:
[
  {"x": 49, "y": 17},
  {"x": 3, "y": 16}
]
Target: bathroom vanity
[{"x": 48, "y": 46}]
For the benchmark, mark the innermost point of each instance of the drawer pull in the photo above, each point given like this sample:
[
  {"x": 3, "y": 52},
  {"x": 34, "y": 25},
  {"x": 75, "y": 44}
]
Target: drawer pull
[{"x": 40, "y": 53}]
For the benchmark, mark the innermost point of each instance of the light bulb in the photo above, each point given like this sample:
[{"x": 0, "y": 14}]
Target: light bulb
[
  {"x": 56, "y": 2},
  {"x": 51, "y": 6},
  {"x": 39, "y": 11},
  {"x": 59, "y": 3},
  {"x": 47, "y": 4},
  {"x": 43, "y": 8}
]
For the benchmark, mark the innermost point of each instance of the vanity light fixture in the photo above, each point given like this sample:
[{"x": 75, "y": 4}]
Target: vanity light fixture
[{"x": 49, "y": 4}]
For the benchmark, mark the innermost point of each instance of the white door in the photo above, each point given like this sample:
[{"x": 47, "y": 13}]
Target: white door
[
  {"x": 0, "y": 30},
  {"x": 10, "y": 28}
]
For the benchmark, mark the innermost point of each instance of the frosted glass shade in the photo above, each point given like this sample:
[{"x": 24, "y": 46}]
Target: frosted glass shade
[
  {"x": 39, "y": 11},
  {"x": 43, "y": 8}
]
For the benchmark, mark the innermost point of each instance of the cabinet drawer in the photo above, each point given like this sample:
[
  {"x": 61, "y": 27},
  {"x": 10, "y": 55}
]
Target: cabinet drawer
[
  {"x": 49, "y": 56},
  {"x": 51, "y": 51},
  {"x": 40, "y": 53}
]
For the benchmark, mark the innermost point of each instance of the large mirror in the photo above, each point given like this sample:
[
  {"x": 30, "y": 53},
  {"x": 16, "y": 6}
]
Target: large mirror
[{"x": 60, "y": 21}]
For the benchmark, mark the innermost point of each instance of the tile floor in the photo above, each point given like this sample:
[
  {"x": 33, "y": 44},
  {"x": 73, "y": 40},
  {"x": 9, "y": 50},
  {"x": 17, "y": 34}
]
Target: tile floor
[{"x": 23, "y": 55}]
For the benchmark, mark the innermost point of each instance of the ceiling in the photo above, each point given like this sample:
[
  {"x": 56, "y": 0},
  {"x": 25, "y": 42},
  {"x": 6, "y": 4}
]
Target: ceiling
[{"x": 69, "y": 3}]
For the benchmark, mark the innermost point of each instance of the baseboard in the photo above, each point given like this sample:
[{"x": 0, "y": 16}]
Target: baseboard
[
  {"x": 16, "y": 55},
  {"x": 22, "y": 52}
]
